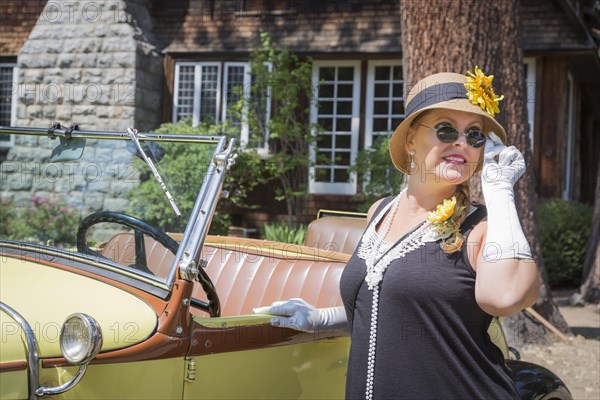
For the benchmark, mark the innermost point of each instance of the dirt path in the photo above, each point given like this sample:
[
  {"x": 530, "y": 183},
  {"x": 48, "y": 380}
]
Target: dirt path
[{"x": 576, "y": 362}]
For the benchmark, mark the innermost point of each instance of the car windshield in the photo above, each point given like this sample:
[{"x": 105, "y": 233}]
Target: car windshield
[{"x": 117, "y": 197}]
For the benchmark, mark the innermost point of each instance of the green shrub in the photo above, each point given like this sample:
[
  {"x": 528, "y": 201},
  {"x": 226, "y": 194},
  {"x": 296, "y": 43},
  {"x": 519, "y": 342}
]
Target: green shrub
[
  {"x": 44, "y": 220},
  {"x": 564, "y": 231},
  {"x": 284, "y": 232},
  {"x": 12, "y": 223}
]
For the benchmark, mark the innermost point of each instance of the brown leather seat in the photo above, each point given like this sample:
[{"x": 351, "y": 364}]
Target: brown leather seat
[
  {"x": 335, "y": 234},
  {"x": 247, "y": 273},
  {"x": 248, "y": 277},
  {"x": 250, "y": 273}
]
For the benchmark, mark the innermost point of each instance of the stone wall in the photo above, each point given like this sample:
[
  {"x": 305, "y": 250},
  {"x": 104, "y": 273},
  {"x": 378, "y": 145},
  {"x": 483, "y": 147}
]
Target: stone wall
[{"x": 92, "y": 63}]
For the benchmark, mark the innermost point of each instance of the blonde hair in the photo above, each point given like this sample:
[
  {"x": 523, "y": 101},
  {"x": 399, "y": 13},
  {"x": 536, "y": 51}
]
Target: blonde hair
[{"x": 463, "y": 199}]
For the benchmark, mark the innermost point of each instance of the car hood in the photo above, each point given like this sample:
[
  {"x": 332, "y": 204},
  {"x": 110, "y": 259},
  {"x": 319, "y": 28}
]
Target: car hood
[{"x": 45, "y": 296}]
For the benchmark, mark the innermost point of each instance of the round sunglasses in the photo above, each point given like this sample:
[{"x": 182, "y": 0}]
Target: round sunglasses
[{"x": 446, "y": 133}]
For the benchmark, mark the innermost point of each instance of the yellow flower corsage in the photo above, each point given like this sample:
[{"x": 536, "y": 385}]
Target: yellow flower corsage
[
  {"x": 481, "y": 93},
  {"x": 444, "y": 224},
  {"x": 443, "y": 211}
]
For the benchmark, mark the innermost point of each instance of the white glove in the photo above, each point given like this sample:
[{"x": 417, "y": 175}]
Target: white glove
[
  {"x": 505, "y": 237},
  {"x": 299, "y": 315}
]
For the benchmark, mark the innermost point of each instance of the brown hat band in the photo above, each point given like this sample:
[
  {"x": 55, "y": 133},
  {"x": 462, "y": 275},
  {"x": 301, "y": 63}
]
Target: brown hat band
[{"x": 436, "y": 94}]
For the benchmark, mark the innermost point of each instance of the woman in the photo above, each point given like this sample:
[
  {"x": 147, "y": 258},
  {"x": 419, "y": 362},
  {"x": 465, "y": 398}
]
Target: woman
[{"x": 432, "y": 269}]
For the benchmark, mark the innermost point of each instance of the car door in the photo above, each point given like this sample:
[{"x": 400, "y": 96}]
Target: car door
[{"x": 245, "y": 357}]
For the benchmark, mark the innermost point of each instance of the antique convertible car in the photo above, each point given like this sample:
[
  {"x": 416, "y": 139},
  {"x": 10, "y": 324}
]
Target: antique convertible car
[{"x": 130, "y": 311}]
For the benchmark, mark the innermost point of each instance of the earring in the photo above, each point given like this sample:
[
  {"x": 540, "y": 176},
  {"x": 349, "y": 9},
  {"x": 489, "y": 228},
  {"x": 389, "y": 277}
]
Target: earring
[{"x": 412, "y": 161}]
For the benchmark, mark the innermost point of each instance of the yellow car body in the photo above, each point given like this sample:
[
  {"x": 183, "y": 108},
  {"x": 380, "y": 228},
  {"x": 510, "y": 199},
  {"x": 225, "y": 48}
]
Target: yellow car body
[{"x": 143, "y": 354}]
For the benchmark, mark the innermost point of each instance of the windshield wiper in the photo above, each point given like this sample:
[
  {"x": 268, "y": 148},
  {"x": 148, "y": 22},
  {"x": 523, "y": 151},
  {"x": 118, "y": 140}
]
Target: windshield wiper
[{"x": 133, "y": 134}]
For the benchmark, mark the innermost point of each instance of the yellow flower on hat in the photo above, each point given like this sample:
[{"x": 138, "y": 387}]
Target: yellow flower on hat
[
  {"x": 481, "y": 93},
  {"x": 443, "y": 211}
]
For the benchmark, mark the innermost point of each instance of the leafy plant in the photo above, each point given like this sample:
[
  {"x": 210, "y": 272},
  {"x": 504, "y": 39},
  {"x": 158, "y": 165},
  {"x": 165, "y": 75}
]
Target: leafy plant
[
  {"x": 564, "y": 230},
  {"x": 45, "y": 220},
  {"x": 284, "y": 232},
  {"x": 379, "y": 176},
  {"x": 183, "y": 167},
  {"x": 287, "y": 80}
]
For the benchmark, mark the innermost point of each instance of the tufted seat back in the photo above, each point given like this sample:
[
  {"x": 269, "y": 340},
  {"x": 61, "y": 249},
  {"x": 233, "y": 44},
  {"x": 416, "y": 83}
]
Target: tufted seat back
[
  {"x": 335, "y": 234},
  {"x": 251, "y": 277},
  {"x": 248, "y": 273}
]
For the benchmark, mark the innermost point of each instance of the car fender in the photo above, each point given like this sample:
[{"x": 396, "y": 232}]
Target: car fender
[
  {"x": 45, "y": 296},
  {"x": 535, "y": 382},
  {"x": 13, "y": 360}
]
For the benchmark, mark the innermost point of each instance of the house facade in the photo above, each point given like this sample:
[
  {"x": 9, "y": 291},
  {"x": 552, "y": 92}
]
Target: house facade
[{"x": 113, "y": 64}]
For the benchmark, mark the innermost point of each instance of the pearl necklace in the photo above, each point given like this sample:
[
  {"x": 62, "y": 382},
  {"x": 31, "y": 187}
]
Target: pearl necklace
[{"x": 370, "y": 251}]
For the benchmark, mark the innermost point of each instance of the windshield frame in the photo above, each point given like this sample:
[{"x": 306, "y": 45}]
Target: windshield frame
[{"x": 187, "y": 259}]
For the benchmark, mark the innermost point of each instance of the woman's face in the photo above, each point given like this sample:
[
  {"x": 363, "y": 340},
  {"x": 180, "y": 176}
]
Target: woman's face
[{"x": 435, "y": 160}]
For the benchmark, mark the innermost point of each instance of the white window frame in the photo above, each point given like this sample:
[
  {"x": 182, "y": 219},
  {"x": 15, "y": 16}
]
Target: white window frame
[
  {"x": 370, "y": 97},
  {"x": 5, "y": 144},
  {"x": 339, "y": 188},
  {"x": 221, "y": 98},
  {"x": 247, "y": 82},
  {"x": 530, "y": 96},
  {"x": 197, "y": 88},
  {"x": 245, "y": 129}
]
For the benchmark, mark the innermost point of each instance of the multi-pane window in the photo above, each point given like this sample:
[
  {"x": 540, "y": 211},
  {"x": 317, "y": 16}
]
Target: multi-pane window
[
  {"x": 209, "y": 92},
  {"x": 184, "y": 92},
  {"x": 336, "y": 113},
  {"x": 7, "y": 85},
  {"x": 384, "y": 102},
  {"x": 196, "y": 92}
]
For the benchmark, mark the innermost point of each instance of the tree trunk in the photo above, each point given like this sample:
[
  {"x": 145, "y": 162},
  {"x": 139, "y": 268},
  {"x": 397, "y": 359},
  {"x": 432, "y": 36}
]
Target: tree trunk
[
  {"x": 456, "y": 36},
  {"x": 590, "y": 286}
]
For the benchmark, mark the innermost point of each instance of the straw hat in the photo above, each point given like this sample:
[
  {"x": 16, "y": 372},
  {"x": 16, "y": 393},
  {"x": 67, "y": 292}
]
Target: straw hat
[{"x": 447, "y": 91}]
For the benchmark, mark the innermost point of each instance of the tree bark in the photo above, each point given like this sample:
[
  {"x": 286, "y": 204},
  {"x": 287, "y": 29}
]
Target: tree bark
[
  {"x": 590, "y": 286},
  {"x": 456, "y": 36}
]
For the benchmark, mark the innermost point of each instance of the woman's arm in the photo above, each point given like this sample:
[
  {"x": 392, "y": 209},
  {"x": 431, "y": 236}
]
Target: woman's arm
[
  {"x": 507, "y": 277},
  {"x": 297, "y": 314},
  {"x": 504, "y": 286}
]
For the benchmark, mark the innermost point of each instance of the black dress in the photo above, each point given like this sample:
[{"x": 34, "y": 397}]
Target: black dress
[{"x": 432, "y": 340}]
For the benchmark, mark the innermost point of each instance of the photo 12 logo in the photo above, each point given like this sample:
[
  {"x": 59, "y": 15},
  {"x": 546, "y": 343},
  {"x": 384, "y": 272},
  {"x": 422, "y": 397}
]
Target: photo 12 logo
[
  {"x": 55, "y": 12},
  {"x": 76, "y": 93},
  {"x": 88, "y": 172}
]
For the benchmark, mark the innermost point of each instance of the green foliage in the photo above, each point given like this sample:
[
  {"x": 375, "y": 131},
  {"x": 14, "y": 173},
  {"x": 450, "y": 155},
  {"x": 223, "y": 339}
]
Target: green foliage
[
  {"x": 288, "y": 81},
  {"x": 13, "y": 222},
  {"x": 380, "y": 177},
  {"x": 284, "y": 232},
  {"x": 45, "y": 220},
  {"x": 564, "y": 230},
  {"x": 183, "y": 170}
]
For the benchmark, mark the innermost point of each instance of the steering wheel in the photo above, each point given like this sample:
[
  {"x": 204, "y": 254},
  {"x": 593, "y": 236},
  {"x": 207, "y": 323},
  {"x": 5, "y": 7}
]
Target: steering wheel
[{"x": 140, "y": 228}]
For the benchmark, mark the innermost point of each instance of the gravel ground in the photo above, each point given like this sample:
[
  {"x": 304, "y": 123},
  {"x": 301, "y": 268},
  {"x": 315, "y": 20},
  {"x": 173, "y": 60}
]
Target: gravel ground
[{"x": 576, "y": 362}]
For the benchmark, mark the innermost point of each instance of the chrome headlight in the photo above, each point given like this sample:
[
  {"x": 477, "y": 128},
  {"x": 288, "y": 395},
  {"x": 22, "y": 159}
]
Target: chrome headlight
[{"x": 80, "y": 339}]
